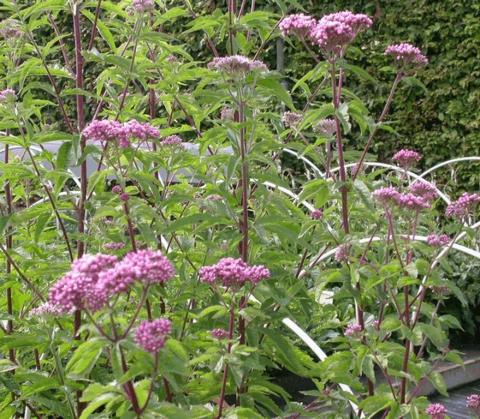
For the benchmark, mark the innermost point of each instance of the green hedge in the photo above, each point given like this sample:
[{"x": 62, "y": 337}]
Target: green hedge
[{"x": 444, "y": 120}]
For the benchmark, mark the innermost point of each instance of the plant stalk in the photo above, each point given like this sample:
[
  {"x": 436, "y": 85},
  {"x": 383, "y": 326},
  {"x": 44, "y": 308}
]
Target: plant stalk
[
  {"x": 231, "y": 325},
  {"x": 9, "y": 246},
  {"x": 341, "y": 161},
  {"x": 382, "y": 116}
]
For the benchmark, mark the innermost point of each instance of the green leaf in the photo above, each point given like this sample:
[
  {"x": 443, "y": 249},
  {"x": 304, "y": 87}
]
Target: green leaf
[
  {"x": 274, "y": 87},
  {"x": 103, "y": 29},
  {"x": 172, "y": 14},
  {"x": 7, "y": 365},
  {"x": 4, "y": 219},
  {"x": 98, "y": 402},
  {"x": 434, "y": 334},
  {"x": 438, "y": 382},
  {"x": 85, "y": 357},
  {"x": 64, "y": 155},
  {"x": 375, "y": 404},
  {"x": 42, "y": 221},
  {"x": 242, "y": 413}
]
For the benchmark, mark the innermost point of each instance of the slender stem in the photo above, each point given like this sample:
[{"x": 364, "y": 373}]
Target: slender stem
[
  {"x": 394, "y": 240},
  {"x": 252, "y": 9},
  {"x": 231, "y": 325},
  {"x": 364, "y": 254},
  {"x": 313, "y": 55},
  {"x": 36, "y": 355},
  {"x": 231, "y": 12},
  {"x": 244, "y": 184},
  {"x": 61, "y": 43},
  {"x": 210, "y": 43},
  {"x": 406, "y": 355},
  {"x": 421, "y": 295},
  {"x": 244, "y": 222},
  {"x": 56, "y": 90},
  {"x": 407, "y": 320},
  {"x": 138, "y": 27},
  {"x": 154, "y": 373},
  {"x": 385, "y": 374},
  {"x": 301, "y": 264},
  {"x": 384, "y": 113},
  {"x": 152, "y": 102},
  {"x": 128, "y": 386},
  {"x": 100, "y": 328},
  {"x": 9, "y": 246},
  {"x": 168, "y": 392},
  {"x": 267, "y": 39},
  {"x": 80, "y": 105},
  {"x": 101, "y": 101},
  {"x": 341, "y": 161},
  {"x": 93, "y": 34},
  {"x": 21, "y": 274},
  {"x": 242, "y": 8},
  {"x": 52, "y": 203},
  {"x": 131, "y": 230},
  {"x": 137, "y": 312}
]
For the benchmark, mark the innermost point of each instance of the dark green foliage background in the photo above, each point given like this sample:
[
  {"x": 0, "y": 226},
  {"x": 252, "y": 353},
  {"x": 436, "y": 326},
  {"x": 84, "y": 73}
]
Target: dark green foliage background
[{"x": 442, "y": 122}]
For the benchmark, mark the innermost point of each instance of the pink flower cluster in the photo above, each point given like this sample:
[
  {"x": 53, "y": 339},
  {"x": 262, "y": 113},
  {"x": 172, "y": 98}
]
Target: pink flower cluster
[
  {"x": 411, "y": 202},
  {"x": 390, "y": 195},
  {"x": 215, "y": 197},
  {"x": 152, "y": 335},
  {"x": 291, "y": 119},
  {"x": 141, "y": 6},
  {"x": 233, "y": 272},
  {"x": 353, "y": 329},
  {"x": 406, "y": 54},
  {"x": 406, "y": 158},
  {"x": 316, "y": 214},
  {"x": 171, "y": 140},
  {"x": 386, "y": 195},
  {"x": 149, "y": 266},
  {"x": 343, "y": 252},
  {"x": 236, "y": 65},
  {"x": 219, "y": 334},
  {"x": 78, "y": 288},
  {"x": 94, "y": 278},
  {"x": 473, "y": 402},
  {"x": 298, "y": 24},
  {"x": 227, "y": 114},
  {"x": 46, "y": 309},
  {"x": 424, "y": 190},
  {"x": 436, "y": 411},
  {"x": 335, "y": 31},
  {"x": 104, "y": 130},
  {"x": 7, "y": 95},
  {"x": 114, "y": 245},
  {"x": 326, "y": 126},
  {"x": 463, "y": 206},
  {"x": 117, "y": 189},
  {"x": 438, "y": 240},
  {"x": 10, "y": 29}
]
